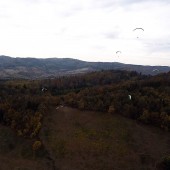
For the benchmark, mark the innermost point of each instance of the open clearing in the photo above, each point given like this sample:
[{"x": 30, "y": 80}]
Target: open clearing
[
  {"x": 84, "y": 140},
  {"x": 16, "y": 153}
]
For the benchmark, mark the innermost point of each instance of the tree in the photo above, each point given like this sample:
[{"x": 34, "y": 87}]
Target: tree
[
  {"x": 36, "y": 145},
  {"x": 111, "y": 109},
  {"x": 145, "y": 116}
]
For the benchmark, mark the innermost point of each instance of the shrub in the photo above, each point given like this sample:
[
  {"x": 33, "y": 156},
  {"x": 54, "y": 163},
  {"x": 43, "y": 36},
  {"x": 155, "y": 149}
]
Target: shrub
[{"x": 164, "y": 164}]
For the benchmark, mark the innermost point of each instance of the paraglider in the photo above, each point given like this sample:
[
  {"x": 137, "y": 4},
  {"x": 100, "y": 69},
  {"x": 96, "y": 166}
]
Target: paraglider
[
  {"x": 138, "y": 31},
  {"x": 130, "y": 97},
  {"x": 118, "y": 52},
  {"x": 155, "y": 70},
  {"x": 43, "y": 89}
]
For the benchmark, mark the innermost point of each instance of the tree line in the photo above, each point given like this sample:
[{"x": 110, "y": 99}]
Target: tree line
[{"x": 24, "y": 103}]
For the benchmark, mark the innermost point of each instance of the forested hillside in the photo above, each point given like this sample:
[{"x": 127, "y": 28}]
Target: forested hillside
[
  {"x": 133, "y": 95},
  {"x": 24, "y": 104},
  {"x": 130, "y": 94},
  {"x": 34, "y": 68}
]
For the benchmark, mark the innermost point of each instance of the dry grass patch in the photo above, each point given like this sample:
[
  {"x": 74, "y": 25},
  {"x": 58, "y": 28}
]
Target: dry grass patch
[{"x": 81, "y": 140}]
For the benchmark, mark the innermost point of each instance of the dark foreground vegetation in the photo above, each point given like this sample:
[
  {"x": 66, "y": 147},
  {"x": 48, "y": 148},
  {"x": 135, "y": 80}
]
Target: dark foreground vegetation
[
  {"x": 143, "y": 98},
  {"x": 25, "y": 106}
]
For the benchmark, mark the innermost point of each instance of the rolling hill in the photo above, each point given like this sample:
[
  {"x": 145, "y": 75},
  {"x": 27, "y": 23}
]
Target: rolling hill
[
  {"x": 33, "y": 68},
  {"x": 86, "y": 121}
]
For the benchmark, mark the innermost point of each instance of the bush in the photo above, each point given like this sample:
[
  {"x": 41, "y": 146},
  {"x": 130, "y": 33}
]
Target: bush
[
  {"x": 164, "y": 164},
  {"x": 36, "y": 145}
]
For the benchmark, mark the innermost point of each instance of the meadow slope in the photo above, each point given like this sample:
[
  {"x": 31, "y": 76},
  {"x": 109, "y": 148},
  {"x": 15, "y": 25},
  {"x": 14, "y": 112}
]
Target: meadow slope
[{"x": 80, "y": 140}]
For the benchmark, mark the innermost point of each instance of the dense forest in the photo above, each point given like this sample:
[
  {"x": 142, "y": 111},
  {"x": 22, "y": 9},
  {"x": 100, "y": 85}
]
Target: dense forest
[
  {"x": 140, "y": 97},
  {"x": 146, "y": 99}
]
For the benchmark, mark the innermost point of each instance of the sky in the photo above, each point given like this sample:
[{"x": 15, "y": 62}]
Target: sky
[{"x": 89, "y": 30}]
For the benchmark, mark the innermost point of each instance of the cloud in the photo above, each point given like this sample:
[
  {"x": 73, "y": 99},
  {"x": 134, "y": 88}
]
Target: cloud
[
  {"x": 158, "y": 46},
  {"x": 95, "y": 28},
  {"x": 112, "y": 4},
  {"x": 111, "y": 35}
]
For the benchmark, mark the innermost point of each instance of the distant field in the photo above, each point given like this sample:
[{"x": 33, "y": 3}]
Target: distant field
[{"x": 84, "y": 140}]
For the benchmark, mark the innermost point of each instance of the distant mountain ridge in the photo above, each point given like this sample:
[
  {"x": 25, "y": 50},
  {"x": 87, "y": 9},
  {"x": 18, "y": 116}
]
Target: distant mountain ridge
[{"x": 33, "y": 68}]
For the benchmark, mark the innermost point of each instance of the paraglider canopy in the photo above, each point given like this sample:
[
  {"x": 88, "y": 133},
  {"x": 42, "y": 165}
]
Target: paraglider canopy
[
  {"x": 118, "y": 53},
  {"x": 155, "y": 70},
  {"x": 138, "y": 31},
  {"x": 130, "y": 97}
]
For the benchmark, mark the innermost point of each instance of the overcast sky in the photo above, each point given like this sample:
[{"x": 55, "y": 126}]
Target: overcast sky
[{"x": 90, "y": 30}]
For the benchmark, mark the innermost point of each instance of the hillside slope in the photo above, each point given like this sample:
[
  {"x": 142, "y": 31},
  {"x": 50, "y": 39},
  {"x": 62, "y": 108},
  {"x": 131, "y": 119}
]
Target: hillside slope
[
  {"x": 97, "y": 137},
  {"x": 33, "y": 68},
  {"x": 80, "y": 140}
]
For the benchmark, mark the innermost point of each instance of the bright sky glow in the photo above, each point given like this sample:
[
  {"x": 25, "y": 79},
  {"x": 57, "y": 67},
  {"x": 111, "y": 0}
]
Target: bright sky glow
[{"x": 90, "y": 30}]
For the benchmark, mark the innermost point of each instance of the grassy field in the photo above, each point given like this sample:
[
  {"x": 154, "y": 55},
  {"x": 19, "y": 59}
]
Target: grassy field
[
  {"x": 16, "y": 153},
  {"x": 84, "y": 140}
]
